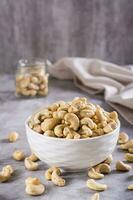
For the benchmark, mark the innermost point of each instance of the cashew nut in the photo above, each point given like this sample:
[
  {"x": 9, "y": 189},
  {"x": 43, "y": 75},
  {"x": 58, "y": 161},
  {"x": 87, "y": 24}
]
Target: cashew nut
[
  {"x": 79, "y": 103},
  {"x": 59, "y": 114},
  {"x": 75, "y": 135},
  {"x": 123, "y": 138},
  {"x": 121, "y": 166},
  {"x": 86, "y": 130},
  {"x": 49, "y": 124},
  {"x": 18, "y": 155},
  {"x": 58, "y": 130},
  {"x": 109, "y": 160},
  {"x": 33, "y": 157},
  {"x": 87, "y": 121},
  {"x": 130, "y": 187},
  {"x": 53, "y": 107},
  {"x": 93, "y": 185},
  {"x": 34, "y": 186},
  {"x": 95, "y": 197},
  {"x": 107, "y": 129},
  {"x": 37, "y": 128},
  {"x": 130, "y": 150},
  {"x": 13, "y": 137},
  {"x": 73, "y": 120},
  {"x": 100, "y": 115},
  {"x": 56, "y": 179},
  {"x": 99, "y": 131},
  {"x": 86, "y": 113},
  {"x": 113, "y": 115},
  {"x": 49, "y": 133},
  {"x": 127, "y": 145},
  {"x": 48, "y": 172},
  {"x": 30, "y": 165},
  {"x": 103, "y": 168},
  {"x": 66, "y": 131},
  {"x": 6, "y": 173},
  {"x": 8, "y": 168},
  {"x": 94, "y": 175},
  {"x": 129, "y": 157},
  {"x": 72, "y": 109}
]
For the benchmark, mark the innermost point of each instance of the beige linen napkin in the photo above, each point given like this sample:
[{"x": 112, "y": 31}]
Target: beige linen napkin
[{"x": 95, "y": 76}]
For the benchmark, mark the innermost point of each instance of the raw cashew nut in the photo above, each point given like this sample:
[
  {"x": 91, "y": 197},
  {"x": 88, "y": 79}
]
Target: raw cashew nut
[
  {"x": 49, "y": 133},
  {"x": 129, "y": 157},
  {"x": 113, "y": 115},
  {"x": 48, "y": 172},
  {"x": 73, "y": 120},
  {"x": 86, "y": 130},
  {"x": 69, "y": 136},
  {"x": 53, "y": 107},
  {"x": 33, "y": 157},
  {"x": 72, "y": 109},
  {"x": 8, "y": 168},
  {"x": 95, "y": 197},
  {"x": 89, "y": 122},
  {"x": 56, "y": 179},
  {"x": 130, "y": 150},
  {"x": 130, "y": 187},
  {"x": 35, "y": 119},
  {"x": 93, "y": 185},
  {"x": 121, "y": 166},
  {"x": 30, "y": 165},
  {"x": 66, "y": 131},
  {"x": 107, "y": 128},
  {"x": 34, "y": 186},
  {"x": 6, "y": 173},
  {"x": 127, "y": 145},
  {"x": 103, "y": 168},
  {"x": 37, "y": 128},
  {"x": 75, "y": 135},
  {"x": 109, "y": 160},
  {"x": 13, "y": 136},
  {"x": 94, "y": 175},
  {"x": 86, "y": 113},
  {"x": 49, "y": 124},
  {"x": 100, "y": 114},
  {"x": 4, "y": 176},
  {"x": 18, "y": 155},
  {"x": 123, "y": 138},
  {"x": 58, "y": 130},
  {"x": 59, "y": 114}
]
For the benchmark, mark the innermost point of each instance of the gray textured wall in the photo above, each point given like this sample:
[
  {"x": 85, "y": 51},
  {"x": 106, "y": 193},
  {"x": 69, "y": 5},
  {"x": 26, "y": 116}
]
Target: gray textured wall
[{"x": 57, "y": 28}]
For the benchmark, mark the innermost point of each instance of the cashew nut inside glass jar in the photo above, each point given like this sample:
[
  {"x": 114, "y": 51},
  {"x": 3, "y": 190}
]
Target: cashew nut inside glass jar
[
  {"x": 31, "y": 79},
  {"x": 76, "y": 119}
]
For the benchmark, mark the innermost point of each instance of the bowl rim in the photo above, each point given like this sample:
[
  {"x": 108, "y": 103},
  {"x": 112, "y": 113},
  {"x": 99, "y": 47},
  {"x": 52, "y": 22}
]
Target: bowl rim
[{"x": 74, "y": 140}]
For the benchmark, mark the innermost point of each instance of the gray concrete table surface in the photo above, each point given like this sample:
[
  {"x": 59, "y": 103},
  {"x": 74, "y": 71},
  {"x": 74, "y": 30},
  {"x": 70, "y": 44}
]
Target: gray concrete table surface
[{"x": 14, "y": 111}]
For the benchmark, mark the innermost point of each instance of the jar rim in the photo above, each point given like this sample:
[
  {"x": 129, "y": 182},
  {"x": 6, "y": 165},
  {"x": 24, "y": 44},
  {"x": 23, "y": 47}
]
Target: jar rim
[{"x": 31, "y": 62}]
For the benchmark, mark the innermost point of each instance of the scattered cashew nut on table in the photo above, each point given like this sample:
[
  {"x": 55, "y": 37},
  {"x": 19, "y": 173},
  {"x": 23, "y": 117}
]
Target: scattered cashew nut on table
[
  {"x": 121, "y": 166},
  {"x": 18, "y": 155},
  {"x": 13, "y": 136},
  {"x": 34, "y": 187},
  {"x": 30, "y": 165},
  {"x": 6, "y": 173},
  {"x": 95, "y": 175},
  {"x": 53, "y": 174},
  {"x": 93, "y": 185}
]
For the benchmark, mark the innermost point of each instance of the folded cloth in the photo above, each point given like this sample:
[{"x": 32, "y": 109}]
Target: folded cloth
[{"x": 94, "y": 76}]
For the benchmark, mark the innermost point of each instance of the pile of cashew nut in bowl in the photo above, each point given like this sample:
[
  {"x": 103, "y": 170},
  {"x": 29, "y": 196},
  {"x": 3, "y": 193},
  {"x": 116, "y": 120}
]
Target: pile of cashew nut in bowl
[{"x": 73, "y": 135}]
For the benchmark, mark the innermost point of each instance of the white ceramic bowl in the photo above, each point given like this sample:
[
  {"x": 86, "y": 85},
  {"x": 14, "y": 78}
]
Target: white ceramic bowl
[{"x": 72, "y": 154}]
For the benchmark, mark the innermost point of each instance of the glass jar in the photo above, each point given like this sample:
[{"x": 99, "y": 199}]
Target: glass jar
[{"x": 31, "y": 78}]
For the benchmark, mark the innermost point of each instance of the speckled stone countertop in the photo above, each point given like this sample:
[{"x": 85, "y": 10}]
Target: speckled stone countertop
[{"x": 14, "y": 111}]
